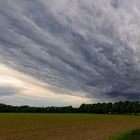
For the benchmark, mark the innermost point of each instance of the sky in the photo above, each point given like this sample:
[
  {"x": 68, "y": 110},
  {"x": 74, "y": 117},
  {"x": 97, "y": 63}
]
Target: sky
[{"x": 69, "y": 52}]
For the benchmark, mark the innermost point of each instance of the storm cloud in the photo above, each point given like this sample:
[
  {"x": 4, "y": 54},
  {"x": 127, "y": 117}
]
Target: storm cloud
[
  {"x": 81, "y": 48},
  {"x": 7, "y": 91}
]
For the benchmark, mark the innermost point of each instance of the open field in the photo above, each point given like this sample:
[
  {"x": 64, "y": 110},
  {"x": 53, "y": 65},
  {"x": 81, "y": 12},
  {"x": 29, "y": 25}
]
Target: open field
[{"x": 64, "y": 126}]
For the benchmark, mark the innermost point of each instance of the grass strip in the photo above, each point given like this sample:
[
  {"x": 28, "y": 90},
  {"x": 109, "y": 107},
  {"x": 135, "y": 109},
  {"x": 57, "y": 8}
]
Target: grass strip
[{"x": 130, "y": 135}]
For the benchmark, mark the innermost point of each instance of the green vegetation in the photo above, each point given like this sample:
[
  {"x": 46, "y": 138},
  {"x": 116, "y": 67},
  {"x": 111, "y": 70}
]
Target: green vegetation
[
  {"x": 64, "y": 126},
  {"x": 126, "y": 107},
  {"x": 130, "y": 135}
]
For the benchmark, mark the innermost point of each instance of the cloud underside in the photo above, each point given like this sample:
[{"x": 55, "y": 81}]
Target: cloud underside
[
  {"x": 18, "y": 88},
  {"x": 77, "y": 47}
]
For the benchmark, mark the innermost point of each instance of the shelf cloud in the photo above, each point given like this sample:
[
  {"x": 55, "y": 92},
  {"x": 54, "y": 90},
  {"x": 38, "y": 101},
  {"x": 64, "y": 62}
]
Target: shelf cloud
[{"x": 86, "y": 50}]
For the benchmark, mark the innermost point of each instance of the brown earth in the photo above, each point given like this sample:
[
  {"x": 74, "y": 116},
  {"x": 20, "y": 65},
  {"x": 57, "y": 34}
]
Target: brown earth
[{"x": 64, "y": 126}]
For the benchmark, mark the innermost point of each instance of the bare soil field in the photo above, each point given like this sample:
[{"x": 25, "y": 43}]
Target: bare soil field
[{"x": 28, "y": 126}]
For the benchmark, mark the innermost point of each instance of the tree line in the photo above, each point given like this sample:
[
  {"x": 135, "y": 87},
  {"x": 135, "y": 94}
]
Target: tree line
[{"x": 126, "y": 107}]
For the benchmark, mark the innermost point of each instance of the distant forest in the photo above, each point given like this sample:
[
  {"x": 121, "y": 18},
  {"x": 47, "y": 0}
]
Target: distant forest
[{"x": 126, "y": 107}]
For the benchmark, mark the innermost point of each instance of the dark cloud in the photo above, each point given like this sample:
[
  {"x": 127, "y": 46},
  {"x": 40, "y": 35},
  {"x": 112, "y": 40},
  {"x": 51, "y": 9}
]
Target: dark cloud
[
  {"x": 116, "y": 3},
  {"x": 7, "y": 91},
  {"x": 77, "y": 45}
]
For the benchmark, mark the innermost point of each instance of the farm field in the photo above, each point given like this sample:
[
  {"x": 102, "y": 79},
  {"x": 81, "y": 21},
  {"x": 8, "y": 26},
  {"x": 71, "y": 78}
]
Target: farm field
[{"x": 26, "y": 126}]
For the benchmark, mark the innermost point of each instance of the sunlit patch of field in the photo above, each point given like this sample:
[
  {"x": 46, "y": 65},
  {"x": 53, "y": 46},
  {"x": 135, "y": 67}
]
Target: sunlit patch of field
[{"x": 64, "y": 126}]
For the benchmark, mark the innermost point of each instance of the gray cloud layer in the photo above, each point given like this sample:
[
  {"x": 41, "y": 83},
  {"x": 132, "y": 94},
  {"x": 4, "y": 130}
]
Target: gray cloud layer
[
  {"x": 75, "y": 45},
  {"x": 7, "y": 91}
]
